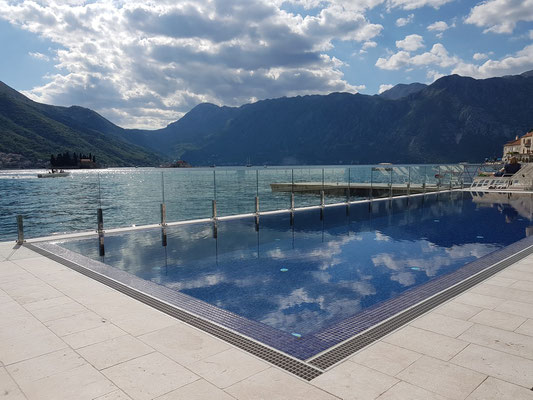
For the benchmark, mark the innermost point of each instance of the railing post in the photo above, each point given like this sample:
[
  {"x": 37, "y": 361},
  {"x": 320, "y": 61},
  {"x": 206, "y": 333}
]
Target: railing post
[
  {"x": 20, "y": 229},
  {"x": 100, "y": 216},
  {"x": 292, "y": 202},
  {"x": 214, "y": 204},
  {"x": 322, "y": 199},
  {"x": 163, "y": 214},
  {"x": 408, "y": 180},
  {"x": 257, "y": 204},
  {"x": 348, "y": 197},
  {"x": 390, "y": 182}
]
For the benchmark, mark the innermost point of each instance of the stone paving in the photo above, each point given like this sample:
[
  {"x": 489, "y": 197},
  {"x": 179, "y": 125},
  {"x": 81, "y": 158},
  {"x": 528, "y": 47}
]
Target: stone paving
[{"x": 65, "y": 336}]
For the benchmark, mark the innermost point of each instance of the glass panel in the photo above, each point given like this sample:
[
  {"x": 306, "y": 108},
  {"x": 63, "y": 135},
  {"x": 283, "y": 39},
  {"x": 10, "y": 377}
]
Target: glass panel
[
  {"x": 335, "y": 185},
  {"x": 130, "y": 197},
  {"x": 308, "y": 183},
  {"x": 274, "y": 189},
  {"x": 360, "y": 182},
  {"x": 400, "y": 180},
  {"x": 381, "y": 181},
  {"x": 236, "y": 189},
  {"x": 188, "y": 193}
]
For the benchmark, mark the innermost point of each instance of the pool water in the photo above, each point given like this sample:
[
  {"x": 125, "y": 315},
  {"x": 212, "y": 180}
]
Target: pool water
[{"x": 327, "y": 265}]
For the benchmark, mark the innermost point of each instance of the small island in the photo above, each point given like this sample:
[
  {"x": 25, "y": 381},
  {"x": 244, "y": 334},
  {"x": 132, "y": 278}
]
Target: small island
[
  {"x": 76, "y": 161},
  {"x": 176, "y": 164}
]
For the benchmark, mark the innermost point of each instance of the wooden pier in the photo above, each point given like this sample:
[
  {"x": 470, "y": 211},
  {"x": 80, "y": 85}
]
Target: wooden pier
[{"x": 355, "y": 189}]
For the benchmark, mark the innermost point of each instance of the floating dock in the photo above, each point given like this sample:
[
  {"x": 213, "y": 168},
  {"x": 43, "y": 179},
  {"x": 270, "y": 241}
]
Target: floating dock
[{"x": 355, "y": 189}]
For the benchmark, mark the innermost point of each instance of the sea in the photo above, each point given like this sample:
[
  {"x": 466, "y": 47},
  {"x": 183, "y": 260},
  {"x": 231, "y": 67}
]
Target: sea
[{"x": 133, "y": 196}]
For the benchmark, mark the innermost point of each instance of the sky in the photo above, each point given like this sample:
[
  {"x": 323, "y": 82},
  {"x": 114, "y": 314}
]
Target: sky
[{"x": 144, "y": 64}]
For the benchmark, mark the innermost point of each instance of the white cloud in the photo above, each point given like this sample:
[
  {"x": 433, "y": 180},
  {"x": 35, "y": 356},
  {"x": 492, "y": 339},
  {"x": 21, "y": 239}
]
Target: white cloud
[
  {"x": 413, "y": 4},
  {"x": 480, "y": 56},
  {"x": 39, "y": 56},
  {"x": 437, "y": 56},
  {"x": 405, "y": 21},
  {"x": 369, "y": 44},
  {"x": 438, "y": 26},
  {"x": 143, "y": 64},
  {"x": 515, "y": 64},
  {"x": 433, "y": 75},
  {"x": 384, "y": 87},
  {"x": 500, "y": 16},
  {"x": 411, "y": 43}
]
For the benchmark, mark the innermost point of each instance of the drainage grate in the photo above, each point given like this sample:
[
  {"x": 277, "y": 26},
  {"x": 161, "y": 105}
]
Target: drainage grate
[
  {"x": 340, "y": 352},
  {"x": 274, "y": 357}
]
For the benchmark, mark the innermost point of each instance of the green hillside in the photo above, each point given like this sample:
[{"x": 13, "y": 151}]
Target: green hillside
[{"x": 36, "y": 131}]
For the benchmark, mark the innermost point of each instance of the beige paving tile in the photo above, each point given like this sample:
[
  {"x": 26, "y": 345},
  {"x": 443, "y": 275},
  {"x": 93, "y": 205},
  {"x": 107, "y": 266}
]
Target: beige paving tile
[
  {"x": 29, "y": 345},
  {"x": 81, "y": 383},
  {"x": 353, "y": 381},
  {"x": 41, "y": 266},
  {"x": 504, "y": 293},
  {"x": 40, "y": 367},
  {"x": 43, "y": 304},
  {"x": 75, "y": 323},
  {"x": 516, "y": 274},
  {"x": 141, "y": 323},
  {"x": 479, "y": 300},
  {"x": 9, "y": 390},
  {"x": 513, "y": 369},
  {"x": 442, "y": 324},
  {"x": 115, "y": 395},
  {"x": 499, "y": 339},
  {"x": 60, "y": 311},
  {"x": 184, "y": 344},
  {"x": 386, "y": 358},
  {"x": 498, "y": 319},
  {"x": 111, "y": 352},
  {"x": 28, "y": 293},
  {"x": 495, "y": 389},
  {"x": 229, "y": 367},
  {"x": 499, "y": 281},
  {"x": 525, "y": 265},
  {"x": 20, "y": 252},
  {"x": 274, "y": 384},
  {"x": 426, "y": 342},
  {"x": 91, "y": 336},
  {"x": 406, "y": 391},
  {"x": 443, "y": 378},
  {"x": 526, "y": 328},
  {"x": 149, "y": 376},
  {"x": 516, "y": 308},
  {"x": 198, "y": 390},
  {"x": 523, "y": 285}
]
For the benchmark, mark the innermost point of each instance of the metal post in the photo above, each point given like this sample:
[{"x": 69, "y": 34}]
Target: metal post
[
  {"x": 390, "y": 183},
  {"x": 451, "y": 177},
  {"x": 371, "y": 182},
  {"x": 214, "y": 209},
  {"x": 100, "y": 217},
  {"x": 257, "y": 205},
  {"x": 409, "y": 181},
  {"x": 20, "y": 226},
  {"x": 164, "y": 236},
  {"x": 425, "y": 177},
  {"x": 438, "y": 180},
  {"x": 163, "y": 214},
  {"x": 322, "y": 198},
  {"x": 292, "y": 201},
  {"x": 349, "y": 194}
]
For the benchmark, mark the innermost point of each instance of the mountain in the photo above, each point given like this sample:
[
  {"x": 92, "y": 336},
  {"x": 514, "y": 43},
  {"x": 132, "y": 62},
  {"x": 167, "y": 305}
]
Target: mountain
[
  {"x": 402, "y": 90},
  {"x": 452, "y": 120},
  {"x": 30, "y": 132}
]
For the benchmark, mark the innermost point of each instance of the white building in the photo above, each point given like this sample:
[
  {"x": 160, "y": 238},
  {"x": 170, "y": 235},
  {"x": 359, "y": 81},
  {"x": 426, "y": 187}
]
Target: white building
[{"x": 520, "y": 148}]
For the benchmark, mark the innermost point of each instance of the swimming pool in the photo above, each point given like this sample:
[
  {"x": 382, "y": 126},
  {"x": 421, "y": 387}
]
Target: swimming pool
[{"x": 304, "y": 283}]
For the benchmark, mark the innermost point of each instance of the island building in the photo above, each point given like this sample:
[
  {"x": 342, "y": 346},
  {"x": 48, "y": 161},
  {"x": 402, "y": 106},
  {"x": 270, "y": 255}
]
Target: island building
[{"x": 520, "y": 148}]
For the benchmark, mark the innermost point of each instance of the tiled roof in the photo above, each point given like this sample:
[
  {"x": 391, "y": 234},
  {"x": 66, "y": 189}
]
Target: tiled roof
[{"x": 513, "y": 143}]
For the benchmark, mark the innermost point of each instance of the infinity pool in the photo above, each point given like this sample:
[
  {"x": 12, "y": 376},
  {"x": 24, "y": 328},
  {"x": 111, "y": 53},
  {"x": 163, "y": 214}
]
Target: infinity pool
[{"x": 300, "y": 277}]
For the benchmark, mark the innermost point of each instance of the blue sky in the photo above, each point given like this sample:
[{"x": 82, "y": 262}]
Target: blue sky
[{"x": 145, "y": 63}]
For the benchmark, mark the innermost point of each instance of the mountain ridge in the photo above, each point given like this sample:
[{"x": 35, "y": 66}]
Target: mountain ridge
[{"x": 454, "y": 119}]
